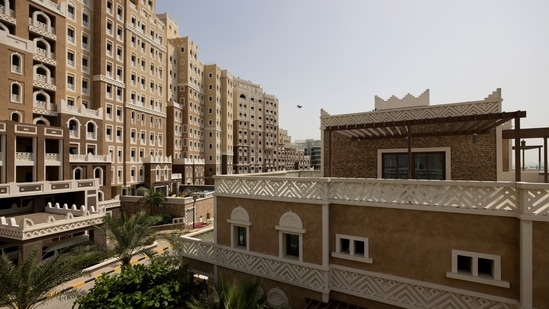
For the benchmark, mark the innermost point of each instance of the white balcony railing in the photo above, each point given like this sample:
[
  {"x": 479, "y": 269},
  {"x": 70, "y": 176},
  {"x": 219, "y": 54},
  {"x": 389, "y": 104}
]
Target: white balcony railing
[
  {"x": 16, "y": 69},
  {"x": 24, "y": 156},
  {"x": 495, "y": 198},
  {"x": 91, "y": 135}
]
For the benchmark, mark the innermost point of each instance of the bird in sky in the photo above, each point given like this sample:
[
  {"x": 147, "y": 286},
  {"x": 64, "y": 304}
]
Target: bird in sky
[{"x": 299, "y": 106}]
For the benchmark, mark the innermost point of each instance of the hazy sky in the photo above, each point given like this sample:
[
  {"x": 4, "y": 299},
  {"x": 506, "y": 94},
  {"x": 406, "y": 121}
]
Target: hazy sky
[{"x": 337, "y": 55}]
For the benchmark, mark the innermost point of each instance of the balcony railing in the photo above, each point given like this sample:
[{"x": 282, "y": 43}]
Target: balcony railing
[
  {"x": 494, "y": 198},
  {"x": 24, "y": 156},
  {"x": 91, "y": 135},
  {"x": 4, "y": 10},
  {"x": 44, "y": 105},
  {"x": 16, "y": 69}
]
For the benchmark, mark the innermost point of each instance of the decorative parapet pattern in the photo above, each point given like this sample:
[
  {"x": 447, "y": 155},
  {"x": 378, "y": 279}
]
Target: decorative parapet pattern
[
  {"x": 158, "y": 159},
  {"x": 272, "y": 187},
  {"x": 90, "y": 158},
  {"x": 113, "y": 203},
  {"x": 407, "y": 101},
  {"x": 74, "y": 210},
  {"x": 380, "y": 287},
  {"x": 409, "y": 293},
  {"x": 305, "y": 275},
  {"x": 14, "y": 189},
  {"x": 28, "y": 229},
  {"x": 493, "y": 198},
  {"x": 429, "y": 112}
]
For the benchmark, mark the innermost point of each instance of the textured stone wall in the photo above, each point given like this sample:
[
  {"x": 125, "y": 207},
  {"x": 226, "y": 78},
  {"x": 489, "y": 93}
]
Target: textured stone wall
[{"x": 353, "y": 158}]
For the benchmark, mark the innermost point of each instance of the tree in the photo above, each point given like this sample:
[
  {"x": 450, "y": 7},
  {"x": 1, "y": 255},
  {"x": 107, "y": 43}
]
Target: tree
[
  {"x": 24, "y": 284},
  {"x": 129, "y": 235},
  {"x": 152, "y": 200},
  {"x": 156, "y": 285},
  {"x": 226, "y": 294}
]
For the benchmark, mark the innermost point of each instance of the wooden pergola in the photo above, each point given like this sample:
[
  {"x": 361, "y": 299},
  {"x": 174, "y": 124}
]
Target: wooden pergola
[
  {"x": 525, "y": 134},
  {"x": 442, "y": 126}
]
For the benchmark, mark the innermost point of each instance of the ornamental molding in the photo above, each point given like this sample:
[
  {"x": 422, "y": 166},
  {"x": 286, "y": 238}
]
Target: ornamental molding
[
  {"x": 384, "y": 288},
  {"x": 109, "y": 80}
]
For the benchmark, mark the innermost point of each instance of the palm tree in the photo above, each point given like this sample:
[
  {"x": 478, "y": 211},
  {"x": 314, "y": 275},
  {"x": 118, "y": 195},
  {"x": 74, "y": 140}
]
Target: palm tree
[
  {"x": 152, "y": 200},
  {"x": 25, "y": 284},
  {"x": 226, "y": 294},
  {"x": 129, "y": 235}
]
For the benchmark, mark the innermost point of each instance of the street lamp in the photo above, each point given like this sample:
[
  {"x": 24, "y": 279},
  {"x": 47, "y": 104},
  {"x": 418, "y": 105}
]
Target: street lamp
[{"x": 194, "y": 202}]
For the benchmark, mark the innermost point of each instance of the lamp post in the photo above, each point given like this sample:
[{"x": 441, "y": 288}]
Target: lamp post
[{"x": 194, "y": 202}]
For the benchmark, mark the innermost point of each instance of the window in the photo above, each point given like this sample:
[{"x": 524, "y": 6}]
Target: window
[
  {"x": 70, "y": 35},
  {"x": 85, "y": 20},
  {"x": 291, "y": 232},
  {"x": 426, "y": 165},
  {"x": 16, "y": 92},
  {"x": 352, "y": 248},
  {"x": 70, "y": 58},
  {"x": 85, "y": 42},
  {"x": 70, "y": 11},
  {"x": 16, "y": 63},
  {"x": 70, "y": 82},
  {"x": 240, "y": 223},
  {"x": 477, "y": 267}
]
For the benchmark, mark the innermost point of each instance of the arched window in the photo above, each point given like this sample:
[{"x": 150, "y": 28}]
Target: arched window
[
  {"x": 98, "y": 173},
  {"x": 74, "y": 128},
  {"x": 16, "y": 92},
  {"x": 42, "y": 73},
  {"x": 90, "y": 130},
  {"x": 41, "y": 120},
  {"x": 16, "y": 117},
  {"x": 41, "y": 20},
  {"x": 290, "y": 236},
  {"x": 100, "y": 196},
  {"x": 43, "y": 47},
  {"x": 240, "y": 228},
  {"x": 16, "y": 63},
  {"x": 77, "y": 173}
]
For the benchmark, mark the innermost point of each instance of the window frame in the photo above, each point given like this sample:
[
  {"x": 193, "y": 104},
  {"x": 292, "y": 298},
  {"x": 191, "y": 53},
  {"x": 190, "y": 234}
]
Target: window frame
[
  {"x": 352, "y": 254},
  {"x": 473, "y": 274}
]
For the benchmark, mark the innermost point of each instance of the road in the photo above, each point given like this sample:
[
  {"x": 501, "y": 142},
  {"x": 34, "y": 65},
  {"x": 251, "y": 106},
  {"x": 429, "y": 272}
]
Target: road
[{"x": 85, "y": 283}]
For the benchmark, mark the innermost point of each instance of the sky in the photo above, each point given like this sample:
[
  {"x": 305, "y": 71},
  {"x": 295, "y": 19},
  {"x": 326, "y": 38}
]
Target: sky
[{"x": 338, "y": 55}]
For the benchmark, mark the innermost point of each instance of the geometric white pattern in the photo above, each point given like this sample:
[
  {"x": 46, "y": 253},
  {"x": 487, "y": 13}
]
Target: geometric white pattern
[
  {"x": 490, "y": 105},
  {"x": 384, "y": 288},
  {"x": 490, "y": 197},
  {"x": 409, "y": 293}
]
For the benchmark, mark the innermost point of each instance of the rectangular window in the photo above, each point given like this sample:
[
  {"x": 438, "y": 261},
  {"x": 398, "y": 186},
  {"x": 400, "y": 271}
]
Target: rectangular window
[
  {"x": 426, "y": 165},
  {"x": 242, "y": 238},
  {"x": 352, "y": 248},
  {"x": 292, "y": 244},
  {"x": 477, "y": 267}
]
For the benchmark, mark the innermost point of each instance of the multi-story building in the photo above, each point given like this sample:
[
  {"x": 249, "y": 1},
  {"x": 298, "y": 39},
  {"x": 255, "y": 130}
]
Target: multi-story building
[
  {"x": 56, "y": 171},
  {"x": 255, "y": 127},
  {"x": 312, "y": 148},
  {"x": 107, "y": 92},
  {"x": 290, "y": 156},
  {"x": 416, "y": 206}
]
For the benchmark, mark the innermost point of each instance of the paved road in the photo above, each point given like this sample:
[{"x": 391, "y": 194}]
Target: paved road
[{"x": 85, "y": 283}]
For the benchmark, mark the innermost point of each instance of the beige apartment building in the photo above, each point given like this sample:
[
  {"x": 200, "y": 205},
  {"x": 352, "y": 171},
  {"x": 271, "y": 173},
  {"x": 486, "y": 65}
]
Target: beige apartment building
[
  {"x": 416, "y": 206},
  {"x": 107, "y": 92},
  {"x": 256, "y": 128},
  {"x": 289, "y": 156}
]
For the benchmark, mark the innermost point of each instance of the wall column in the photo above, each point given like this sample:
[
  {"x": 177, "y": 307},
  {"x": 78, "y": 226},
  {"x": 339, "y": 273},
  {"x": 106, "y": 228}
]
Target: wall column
[{"x": 526, "y": 267}]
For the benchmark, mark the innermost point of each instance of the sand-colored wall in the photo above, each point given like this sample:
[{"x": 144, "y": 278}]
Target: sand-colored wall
[
  {"x": 418, "y": 244},
  {"x": 263, "y": 236}
]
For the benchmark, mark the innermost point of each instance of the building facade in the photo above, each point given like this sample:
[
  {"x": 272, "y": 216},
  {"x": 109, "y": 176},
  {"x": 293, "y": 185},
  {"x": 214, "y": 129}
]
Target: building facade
[{"x": 413, "y": 209}]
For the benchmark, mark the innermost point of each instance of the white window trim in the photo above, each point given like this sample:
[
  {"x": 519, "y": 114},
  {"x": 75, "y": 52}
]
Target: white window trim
[
  {"x": 365, "y": 258},
  {"x": 290, "y": 223},
  {"x": 474, "y": 277},
  {"x": 239, "y": 218}
]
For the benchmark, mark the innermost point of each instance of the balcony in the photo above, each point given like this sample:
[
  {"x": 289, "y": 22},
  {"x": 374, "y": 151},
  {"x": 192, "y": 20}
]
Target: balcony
[
  {"x": 91, "y": 135},
  {"x": 52, "y": 158},
  {"x": 44, "y": 82},
  {"x": 16, "y": 98},
  {"x": 24, "y": 158},
  {"x": 42, "y": 29},
  {"x": 4, "y": 10},
  {"x": 44, "y": 108}
]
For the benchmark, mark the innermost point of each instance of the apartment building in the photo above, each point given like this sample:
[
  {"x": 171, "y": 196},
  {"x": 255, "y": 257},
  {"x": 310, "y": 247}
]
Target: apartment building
[
  {"x": 416, "y": 206},
  {"x": 289, "y": 155},
  {"x": 255, "y": 127},
  {"x": 56, "y": 172}
]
